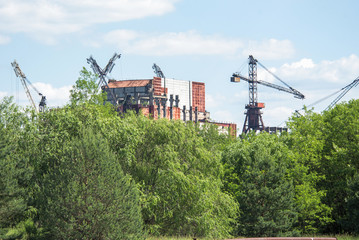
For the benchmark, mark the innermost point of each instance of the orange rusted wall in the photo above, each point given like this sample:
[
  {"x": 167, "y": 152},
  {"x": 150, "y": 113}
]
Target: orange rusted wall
[{"x": 198, "y": 96}]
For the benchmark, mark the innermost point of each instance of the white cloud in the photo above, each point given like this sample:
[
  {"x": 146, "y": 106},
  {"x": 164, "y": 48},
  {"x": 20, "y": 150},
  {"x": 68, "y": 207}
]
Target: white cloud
[
  {"x": 51, "y": 18},
  {"x": 172, "y": 43},
  {"x": 342, "y": 70},
  {"x": 193, "y": 43},
  {"x": 4, "y": 40},
  {"x": 269, "y": 49},
  {"x": 55, "y": 96}
]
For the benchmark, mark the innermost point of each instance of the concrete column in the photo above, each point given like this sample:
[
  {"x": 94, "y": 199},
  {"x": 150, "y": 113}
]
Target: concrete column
[
  {"x": 184, "y": 113},
  {"x": 158, "y": 107},
  {"x": 196, "y": 114},
  {"x": 190, "y": 113},
  {"x": 177, "y": 101},
  {"x": 171, "y": 106},
  {"x": 164, "y": 104}
]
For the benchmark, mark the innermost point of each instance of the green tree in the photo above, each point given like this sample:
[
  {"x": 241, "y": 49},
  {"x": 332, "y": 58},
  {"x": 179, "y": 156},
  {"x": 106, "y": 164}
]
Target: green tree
[
  {"x": 86, "y": 195},
  {"x": 350, "y": 222},
  {"x": 12, "y": 203},
  {"x": 306, "y": 141},
  {"x": 16, "y": 212},
  {"x": 175, "y": 165},
  {"x": 213, "y": 140},
  {"x": 340, "y": 160},
  {"x": 180, "y": 178},
  {"x": 86, "y": 89},
  {"x": 257, "y": 175}
]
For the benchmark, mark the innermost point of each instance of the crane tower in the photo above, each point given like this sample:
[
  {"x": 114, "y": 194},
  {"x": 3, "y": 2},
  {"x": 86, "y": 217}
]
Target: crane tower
[{"x": 253, "y": 120}]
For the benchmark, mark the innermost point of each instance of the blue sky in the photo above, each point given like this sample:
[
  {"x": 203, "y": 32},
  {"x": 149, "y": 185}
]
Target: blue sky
[{"x": 311, "y": 45}]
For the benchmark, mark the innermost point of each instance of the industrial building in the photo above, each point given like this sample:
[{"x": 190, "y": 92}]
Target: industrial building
[
  {"x": 164, "y": 98},
  {"x": 158, "y": 97}
]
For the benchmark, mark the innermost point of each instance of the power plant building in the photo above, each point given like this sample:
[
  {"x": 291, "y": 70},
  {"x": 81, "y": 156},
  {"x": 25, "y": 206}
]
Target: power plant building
[{"x": 164, "y": 98}]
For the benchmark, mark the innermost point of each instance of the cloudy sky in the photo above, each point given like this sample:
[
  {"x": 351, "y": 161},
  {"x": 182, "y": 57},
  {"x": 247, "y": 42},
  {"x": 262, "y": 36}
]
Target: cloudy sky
[{"x": 311, "y": 45}]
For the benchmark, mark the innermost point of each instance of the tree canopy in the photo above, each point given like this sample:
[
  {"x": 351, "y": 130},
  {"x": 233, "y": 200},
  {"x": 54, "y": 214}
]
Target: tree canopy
[{"x": 82, "y": 171}]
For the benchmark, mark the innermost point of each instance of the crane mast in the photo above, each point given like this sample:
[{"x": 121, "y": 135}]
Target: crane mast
[
  {"x": 25, "y": 82},
  {"x": 252, "y": 83},
  {"x": 253, "y": 118}
]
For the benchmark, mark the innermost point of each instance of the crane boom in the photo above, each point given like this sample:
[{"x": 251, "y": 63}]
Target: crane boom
[
  {"x": 236, "y": 77},
  {"x": 25, "y": 82},
  {"x": 102, "y": 83},
  {"x": 158, "y": 71},
  {"x": 345, "y": 90}
]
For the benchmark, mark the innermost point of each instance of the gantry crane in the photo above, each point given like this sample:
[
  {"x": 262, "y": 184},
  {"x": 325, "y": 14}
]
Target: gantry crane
[
  {"x": 102, "y": 73},
  {"x": 253, "y": 120},
  {"x": 25, "y": 82}
]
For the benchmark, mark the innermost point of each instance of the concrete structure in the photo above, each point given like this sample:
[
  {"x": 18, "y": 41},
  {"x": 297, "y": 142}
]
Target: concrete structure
[
  {"x": 161, "y": 97},
  {"x": 164, "y": 98}
]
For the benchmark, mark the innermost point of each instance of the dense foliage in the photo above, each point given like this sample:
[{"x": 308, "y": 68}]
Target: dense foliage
[
  {"x": 84, "y": 172},
  {"x": 257, "y": 174}
]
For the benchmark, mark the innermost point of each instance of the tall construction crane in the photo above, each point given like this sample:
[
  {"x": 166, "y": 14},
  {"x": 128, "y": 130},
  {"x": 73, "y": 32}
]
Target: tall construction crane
[
  {"x": 102, "y": 73},
  {"x": 253, "y": 120},
  {"x": 25, "y": 82}
]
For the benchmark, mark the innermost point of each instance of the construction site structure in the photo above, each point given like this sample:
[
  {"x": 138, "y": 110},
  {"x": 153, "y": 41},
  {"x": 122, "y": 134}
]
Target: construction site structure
[
  {"x": 179, "y": 100},
  {"x": 102, "y": 73},
  {"x": 253, "y": 120},
  {"x": 25, "y": 83},
  {"x": 343, "y": 91},
  {"x": 186, "y": 99},
  {"x": 158, "y": 97}
]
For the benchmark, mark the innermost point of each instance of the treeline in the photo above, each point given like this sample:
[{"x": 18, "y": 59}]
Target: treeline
[{"x": 84, "y": 172}]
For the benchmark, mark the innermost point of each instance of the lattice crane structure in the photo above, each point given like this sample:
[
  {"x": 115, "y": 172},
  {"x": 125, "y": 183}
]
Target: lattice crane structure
[
  {"x": 102, "y": 73},
  {"x": 253, "y": 120},
  {"x": 343, "y": 91},
  {"x": 158, "y": 71},
  {"x": 25, "y": 83}
]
